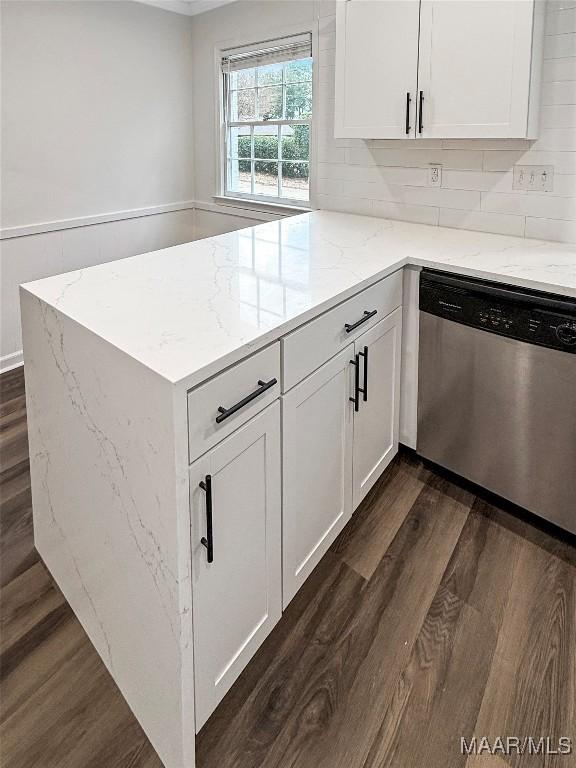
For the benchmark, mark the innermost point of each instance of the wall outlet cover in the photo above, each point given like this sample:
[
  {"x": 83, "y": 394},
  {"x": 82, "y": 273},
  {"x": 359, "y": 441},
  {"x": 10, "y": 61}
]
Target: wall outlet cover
[
  {"x": 533, "y": 178},
  {"x": 434, "y": 175}
]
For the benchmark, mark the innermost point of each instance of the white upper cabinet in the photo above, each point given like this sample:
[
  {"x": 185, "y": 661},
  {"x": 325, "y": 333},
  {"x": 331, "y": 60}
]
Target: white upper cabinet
[
  {"x": 376, "y": 68},
  {"x": 473, "y": 71},
  {"x": 475, "y": 68}
]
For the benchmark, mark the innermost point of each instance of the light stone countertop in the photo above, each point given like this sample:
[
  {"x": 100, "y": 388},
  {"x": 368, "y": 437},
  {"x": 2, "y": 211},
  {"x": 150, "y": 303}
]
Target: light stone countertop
[{"x": 189, "y": 311}]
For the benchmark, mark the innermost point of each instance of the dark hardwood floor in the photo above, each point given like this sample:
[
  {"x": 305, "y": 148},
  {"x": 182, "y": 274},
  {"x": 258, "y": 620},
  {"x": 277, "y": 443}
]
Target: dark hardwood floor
[{"x": 436, "y": 615}]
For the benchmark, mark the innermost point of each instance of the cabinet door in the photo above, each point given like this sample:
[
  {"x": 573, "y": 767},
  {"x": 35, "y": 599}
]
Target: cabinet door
[
  {"x": 376, "y": 423},
  {"x": 237, "y": 597},
  {"x": 376, "y": 68},
  {"x": 474, "y": 68},
  {"x": 317, "y": 467}
]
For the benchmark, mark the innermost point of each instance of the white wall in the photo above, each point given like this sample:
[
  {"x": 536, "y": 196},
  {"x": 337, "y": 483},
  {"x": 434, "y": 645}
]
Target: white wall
[
  {"x": 96, "y": 114},
  {"x": 388, "y": 178},
  {"x": 96, "y": 122}
]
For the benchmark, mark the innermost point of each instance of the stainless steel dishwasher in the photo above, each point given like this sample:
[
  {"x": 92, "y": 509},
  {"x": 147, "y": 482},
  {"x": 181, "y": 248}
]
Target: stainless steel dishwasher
[{"x": 497, "y": 390}]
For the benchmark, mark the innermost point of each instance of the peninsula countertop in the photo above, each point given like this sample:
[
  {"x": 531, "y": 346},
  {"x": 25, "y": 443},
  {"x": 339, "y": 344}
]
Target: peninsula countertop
[{"x": 189, "y": 311}]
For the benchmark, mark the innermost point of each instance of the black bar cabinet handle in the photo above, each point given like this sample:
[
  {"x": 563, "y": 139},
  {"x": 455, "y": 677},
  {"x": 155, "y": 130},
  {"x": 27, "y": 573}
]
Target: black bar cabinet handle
[
  {"x": 208, "y": 542},
  {"x": 364, "y": 389},
  {"x": 420, "y": 125},
  {"x": 366, "y": 316},
  {"x": 263, "y": 386},
  {"x": 408, "y": 100},
  {"x": 356, "y": 398}
]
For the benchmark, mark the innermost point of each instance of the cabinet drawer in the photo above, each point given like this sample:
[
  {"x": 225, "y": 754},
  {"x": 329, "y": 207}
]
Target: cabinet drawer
[
  {"x": 307, "y": 348},
  {"x": 238, "y": 392}
]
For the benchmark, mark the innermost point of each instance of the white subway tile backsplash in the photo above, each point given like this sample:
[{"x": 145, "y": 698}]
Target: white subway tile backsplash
[
  {"x": 555, "y": 70},
  {"x": 327, "y": 34},
  {"x": 326, "y": 75},
  {"x": 404, "y": 144},
  {"x": 560, "y": 22},
  {"x": 563, "y": 162},
  {"x": 416, "y": 158},
  {"x": 377, "y": 173},
  {"x": 482, "y": 221},
  {"x": 558, "y": 116},
  {"x": 492, "y": 144},
  {"x": 559, "y": 5},
  {"x": 559, "y": 46},
  {"x": 556, "y": 139},
  {"x": 530, "y": 204},
  {"x": 564, "y": 184},
  {"x": 437, "y": 196},
  {"x": 551, "y": 229},
  {"x": 324, "y": 8},
  {"x": 483, "y": 181},
  {"x": 390, "y": 177},
  {"x": 502, "y": 160},
  {"x": 420, "y": 214},
  {"x": 558, "y": 93},
  {"x": 360, "y": 205}
]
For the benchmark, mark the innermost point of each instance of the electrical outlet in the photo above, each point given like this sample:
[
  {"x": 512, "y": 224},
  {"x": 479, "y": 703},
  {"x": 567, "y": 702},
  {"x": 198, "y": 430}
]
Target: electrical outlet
[
  {"x": 434, "y": 175},
  {"x": 533, "y": 178}
]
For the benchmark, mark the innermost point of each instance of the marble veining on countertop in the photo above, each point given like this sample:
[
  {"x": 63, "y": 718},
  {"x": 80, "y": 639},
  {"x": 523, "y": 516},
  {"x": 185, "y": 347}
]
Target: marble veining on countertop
[{"x": 188, "y": 311}]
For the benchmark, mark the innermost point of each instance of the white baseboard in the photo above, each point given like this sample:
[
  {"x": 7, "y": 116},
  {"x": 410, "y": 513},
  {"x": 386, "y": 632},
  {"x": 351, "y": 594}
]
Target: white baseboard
[{"x": 8, "y": 362}]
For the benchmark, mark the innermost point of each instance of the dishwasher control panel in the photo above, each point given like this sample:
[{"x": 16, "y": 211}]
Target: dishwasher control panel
[{"x": 532, "y": 316}]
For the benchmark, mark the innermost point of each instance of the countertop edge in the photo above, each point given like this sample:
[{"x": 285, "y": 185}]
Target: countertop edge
[{"x": 201, "y": 375}]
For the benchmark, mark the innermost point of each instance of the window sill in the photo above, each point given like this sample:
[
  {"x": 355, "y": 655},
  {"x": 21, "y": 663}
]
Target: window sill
[{"x": 258, "y": 205}]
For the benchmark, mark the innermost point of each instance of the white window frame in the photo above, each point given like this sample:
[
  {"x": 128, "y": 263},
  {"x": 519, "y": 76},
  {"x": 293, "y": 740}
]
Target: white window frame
[{"x": 223, "y": 91}]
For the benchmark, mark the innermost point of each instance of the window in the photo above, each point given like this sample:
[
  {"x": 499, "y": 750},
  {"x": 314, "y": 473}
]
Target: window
[{"x": 268, "y": 111}]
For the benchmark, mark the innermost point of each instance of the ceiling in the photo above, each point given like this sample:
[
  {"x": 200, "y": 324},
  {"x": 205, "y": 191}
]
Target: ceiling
[{"x": 187, "y": 7}]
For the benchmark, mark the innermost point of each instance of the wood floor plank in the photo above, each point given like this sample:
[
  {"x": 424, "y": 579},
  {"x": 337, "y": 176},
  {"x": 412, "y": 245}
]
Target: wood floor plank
[
  {"x": 317, "y": 622},
  {"x": 37, "y": 656},
  {"x": 17, "y": 552},
  {"x": 531, "y": 690},
  {"x": 486, "y": 761},
  {"x": 75, "y": 716},
  {"x": 11, "y": 384},
  {"x": 365, "y": 540},
  {"x": 27, "y": 601},
  {"x": 453, "y": 653},
  {"x": 329, "y": 727}
]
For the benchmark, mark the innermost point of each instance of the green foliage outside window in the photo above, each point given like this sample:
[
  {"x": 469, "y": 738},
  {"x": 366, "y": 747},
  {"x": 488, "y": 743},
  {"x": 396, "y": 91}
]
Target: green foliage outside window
[{"x": 295, "y": 147}]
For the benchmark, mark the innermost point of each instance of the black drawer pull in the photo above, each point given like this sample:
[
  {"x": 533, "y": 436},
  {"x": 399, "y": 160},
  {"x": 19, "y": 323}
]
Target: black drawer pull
[
  {"x": 408, "y": 100},
  {"x": 263, "y": 386},
  {"x": 420, "y": 118},
  {"x": 366, "y": 316},
  {"x": 364, "y": 389},
  {"x": 356, "y": 398},
  {"x": 208, "y": 542}
]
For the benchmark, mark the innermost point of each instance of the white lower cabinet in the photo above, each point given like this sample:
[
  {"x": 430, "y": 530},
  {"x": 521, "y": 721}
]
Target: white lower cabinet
[
  {"x": 237, "y": 598},
  {"x": 340, "y": 431},
  {"x": 376, "y": 422},
  {"x": 317, "y": 467},
  {"x": 262, "y": 518}
]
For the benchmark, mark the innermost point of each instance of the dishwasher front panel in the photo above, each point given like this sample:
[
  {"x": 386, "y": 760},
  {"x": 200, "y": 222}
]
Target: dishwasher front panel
[{"x": 501, "y": 413}]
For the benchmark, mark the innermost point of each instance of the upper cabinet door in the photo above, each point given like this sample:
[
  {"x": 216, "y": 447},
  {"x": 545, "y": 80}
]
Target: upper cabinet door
[
  {"x": 474, "y": 70},
  {"x": 237, "y": 598},
  {"x": 376, "y": 68}
]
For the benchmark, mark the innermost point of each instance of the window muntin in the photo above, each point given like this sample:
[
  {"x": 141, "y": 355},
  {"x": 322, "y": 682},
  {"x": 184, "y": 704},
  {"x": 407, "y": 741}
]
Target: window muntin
[{"x": 268, "y": 112}]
